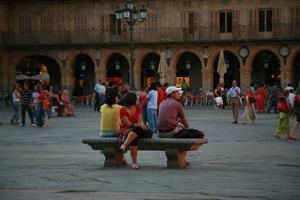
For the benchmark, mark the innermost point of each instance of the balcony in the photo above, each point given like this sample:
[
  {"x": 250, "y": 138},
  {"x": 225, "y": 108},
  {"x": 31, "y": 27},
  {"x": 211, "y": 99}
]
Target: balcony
[{"x": 142, "y": 36}]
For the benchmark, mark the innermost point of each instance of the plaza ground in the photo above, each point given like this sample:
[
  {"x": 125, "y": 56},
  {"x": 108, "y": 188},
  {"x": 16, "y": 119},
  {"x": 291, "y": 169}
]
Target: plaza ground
[{"x": 239, "y": 162}]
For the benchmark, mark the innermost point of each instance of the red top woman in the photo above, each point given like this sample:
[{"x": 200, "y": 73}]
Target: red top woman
[{"x": 261, "y": 98}]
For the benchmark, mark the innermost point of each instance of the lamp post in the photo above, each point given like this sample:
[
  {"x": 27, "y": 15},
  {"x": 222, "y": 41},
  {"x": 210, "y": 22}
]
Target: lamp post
[{"x": 131, "y": 16}]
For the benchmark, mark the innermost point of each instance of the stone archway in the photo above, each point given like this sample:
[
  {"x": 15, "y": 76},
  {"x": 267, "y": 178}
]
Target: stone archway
[
  {"x": 232, "y": 69},
  {"x": 149, "y": 69},
  {"x": 266, "y": 68},
  {"x": 296, "y": 70},
  {"x": 36, "y": 64},
  {"x": 84, "y": 75},
  {"x": 117, "y": 68},
  {"x": 189, "y": 69}
]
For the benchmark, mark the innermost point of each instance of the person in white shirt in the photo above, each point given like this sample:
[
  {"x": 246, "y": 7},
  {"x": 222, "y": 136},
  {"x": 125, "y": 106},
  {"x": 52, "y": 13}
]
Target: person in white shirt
[
  {"x": 291, "y": 98},
  {"x": 152, "y": 107},
  {"x": 100, "y": 95}
]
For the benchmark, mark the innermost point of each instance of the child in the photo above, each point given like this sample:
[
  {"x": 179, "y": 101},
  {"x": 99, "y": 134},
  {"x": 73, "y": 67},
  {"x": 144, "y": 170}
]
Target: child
[
  {"x": 46, "y": 108},
  {"x": 282, "y": 124}
]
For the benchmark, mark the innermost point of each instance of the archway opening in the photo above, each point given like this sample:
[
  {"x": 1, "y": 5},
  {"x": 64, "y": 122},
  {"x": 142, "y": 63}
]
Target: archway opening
[
  {"x": 117, "y": 69},
  {"x": 232, "y": 69},
  {"x": 296, "y": 71},
  {"x": 266, "y": 69},
  {"x": 84, "y": 75},
  {"x": 188, "y": 70},
  {"x": 39, "y": 68},
  {"x": 149, "y": 69}
]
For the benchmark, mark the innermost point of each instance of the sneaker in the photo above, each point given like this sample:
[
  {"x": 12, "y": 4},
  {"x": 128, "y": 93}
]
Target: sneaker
[
  {"x": 21, "y": 125},
  {"x": 33, "y": 125},
  {"x": 12, "y": 121}
]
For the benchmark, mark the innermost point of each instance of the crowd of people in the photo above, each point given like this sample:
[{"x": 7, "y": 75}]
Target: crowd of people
[
  {"x": 156, "y": 109},
  {"x": 152, "y": 110},
  {"x": 285, "y": 102},
  {"x": 40, "y": 104}
]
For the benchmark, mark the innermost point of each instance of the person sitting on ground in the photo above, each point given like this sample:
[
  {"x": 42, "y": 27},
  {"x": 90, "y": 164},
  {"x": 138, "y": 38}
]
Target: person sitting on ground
[
  {"x": 132, "y": 126},
  {"x": 69, "y": 109},
  {"x": 171, "y": 119},
  {"x": 110, "y": 115}
]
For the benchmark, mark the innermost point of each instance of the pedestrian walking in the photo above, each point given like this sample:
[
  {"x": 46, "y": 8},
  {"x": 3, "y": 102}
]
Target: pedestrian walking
[
  {"x": 143, "y": 103},
  {"x": 99, "y": 95},
  {"x": 46, "y": 108},
  {"x": 297, "y": 114},
  {"x": 273, "y": 99},
  {"x": 16, "y": 104},
  {"x": 233, "y": 96},
  {"x": 249, "y": 113},
  {"x": 152, "y": 97},
  {"x": 26, "y": 102},
  {"x": 261, "y": 98},
  {"x": 282, "y": 123}
]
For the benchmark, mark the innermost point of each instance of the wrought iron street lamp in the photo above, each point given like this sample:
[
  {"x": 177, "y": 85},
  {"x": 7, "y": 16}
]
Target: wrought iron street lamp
[{"x": 131, "y": 16}]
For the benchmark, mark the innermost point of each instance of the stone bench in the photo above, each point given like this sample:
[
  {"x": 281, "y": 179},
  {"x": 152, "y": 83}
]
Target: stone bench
[{"x": 175, "y": 149}]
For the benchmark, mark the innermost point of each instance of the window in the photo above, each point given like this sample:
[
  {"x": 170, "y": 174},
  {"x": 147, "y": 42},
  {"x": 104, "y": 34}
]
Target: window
[
  {"x": 226, "y": 22},
  {"x": 151, "y": 22},
  {"x": 25, "y": 24},
  {"x": 80, "y": 23},
  {"x": 115, "y": 25},
  {"x": 191, "y": 23},
  {"x": 46, "y": 23},
  {"x": 265, "y": 20}
]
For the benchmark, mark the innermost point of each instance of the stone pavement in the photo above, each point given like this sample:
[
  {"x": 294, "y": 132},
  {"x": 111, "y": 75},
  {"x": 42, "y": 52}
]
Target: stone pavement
[{"x": 239, "y": 162}]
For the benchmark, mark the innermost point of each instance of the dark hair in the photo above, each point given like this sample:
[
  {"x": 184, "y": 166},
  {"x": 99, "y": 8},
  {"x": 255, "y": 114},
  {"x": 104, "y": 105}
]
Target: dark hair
[
  {"x": 153, "y": 86},
  {"x": 129, "y": 99},
  {"x": 110, "y": 97},
  {"x": 111, "y": 83}
]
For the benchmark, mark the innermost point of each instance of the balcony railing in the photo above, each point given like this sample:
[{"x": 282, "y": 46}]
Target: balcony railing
[{"x": 162, "y": 35}]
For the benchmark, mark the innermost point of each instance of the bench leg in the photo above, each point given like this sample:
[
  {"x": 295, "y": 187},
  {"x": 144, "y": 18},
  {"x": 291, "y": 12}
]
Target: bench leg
[
  {"x": 113, "y": 158},
  {"x": 176, "y": 158}
]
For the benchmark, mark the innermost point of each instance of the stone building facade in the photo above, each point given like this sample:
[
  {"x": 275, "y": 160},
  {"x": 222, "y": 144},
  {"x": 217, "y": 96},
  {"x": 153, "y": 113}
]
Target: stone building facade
[{"x": 81, "y": 41}]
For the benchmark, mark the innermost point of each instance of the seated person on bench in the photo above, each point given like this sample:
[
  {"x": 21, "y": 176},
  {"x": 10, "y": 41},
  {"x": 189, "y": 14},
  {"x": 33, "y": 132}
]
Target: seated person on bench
[
  {"x": 171, "y": 119},
  {"x": 110, "y": 115},
  {"x": 132, "y": 124}
]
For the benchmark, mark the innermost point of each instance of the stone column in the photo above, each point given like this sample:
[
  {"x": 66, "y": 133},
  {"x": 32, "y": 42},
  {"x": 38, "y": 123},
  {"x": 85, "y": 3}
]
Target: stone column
[
  {"x": 67, "y": 78},
  {"x": 207, "y": 79},
  {"x": 100, "y": 71},
  {"x": 171, "y": 73},
  {"x": 286, "y": 72},
  {"x": 4, "y": 66}
]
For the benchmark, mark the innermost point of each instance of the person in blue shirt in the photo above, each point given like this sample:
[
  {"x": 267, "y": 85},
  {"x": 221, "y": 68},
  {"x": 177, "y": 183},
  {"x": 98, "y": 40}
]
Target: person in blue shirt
[{"x": 233, "y": 96}]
